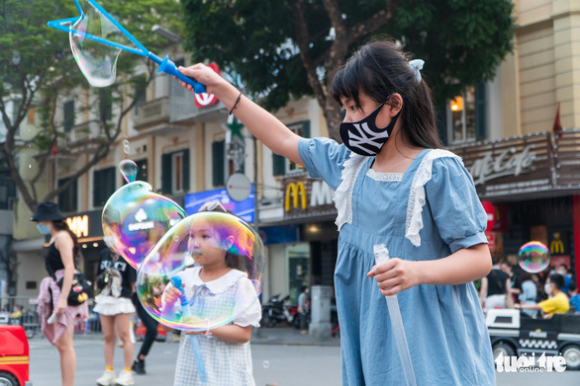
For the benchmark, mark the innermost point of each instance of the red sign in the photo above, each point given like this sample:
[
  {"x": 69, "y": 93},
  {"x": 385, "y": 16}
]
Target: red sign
[
  {"x": 490, "y": 240},
  {"x": 204, "y": 100},
  {"x": 488, "y": 206}
]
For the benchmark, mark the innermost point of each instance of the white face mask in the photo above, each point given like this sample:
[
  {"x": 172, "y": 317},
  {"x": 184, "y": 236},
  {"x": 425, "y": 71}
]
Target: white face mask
[{"x": 548, "y": 288}]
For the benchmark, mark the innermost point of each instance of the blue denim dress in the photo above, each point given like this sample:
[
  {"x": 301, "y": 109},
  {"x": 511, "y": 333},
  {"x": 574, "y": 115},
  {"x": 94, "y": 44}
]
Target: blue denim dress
[{"x": 427, "y": 213}]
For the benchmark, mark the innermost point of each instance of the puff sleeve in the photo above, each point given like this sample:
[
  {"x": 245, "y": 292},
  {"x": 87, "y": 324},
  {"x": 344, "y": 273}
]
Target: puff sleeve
[
  {"x": 324, "y": 159},
  {"x": 456, "y": 209}
]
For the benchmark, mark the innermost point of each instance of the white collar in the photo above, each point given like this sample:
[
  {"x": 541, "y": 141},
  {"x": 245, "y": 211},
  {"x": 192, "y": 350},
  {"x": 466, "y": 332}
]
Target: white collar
[{"x": 221, "y": 284}]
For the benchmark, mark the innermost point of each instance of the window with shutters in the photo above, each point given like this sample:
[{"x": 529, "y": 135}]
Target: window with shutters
[
  {"x": 466, "y": 121},
  {"x": 103, "y": 185},
  {"x": 175, "y": 172},
  {"x": 67, "y": 199},
  {"x": 105, "y": 104},
  {"x": 218, "y": 163},
  {"x": 282, "y": 166},
  {"x": 69, "y": 115}
]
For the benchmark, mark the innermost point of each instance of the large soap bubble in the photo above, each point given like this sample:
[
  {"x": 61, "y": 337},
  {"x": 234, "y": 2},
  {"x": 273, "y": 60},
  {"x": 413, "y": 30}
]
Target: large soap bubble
[
  {"x": 215, "y": 260},
  {"x": 135, "y": 218},
  {"x": 97, "y": 61},
  {"x": 534, "y": 257}
]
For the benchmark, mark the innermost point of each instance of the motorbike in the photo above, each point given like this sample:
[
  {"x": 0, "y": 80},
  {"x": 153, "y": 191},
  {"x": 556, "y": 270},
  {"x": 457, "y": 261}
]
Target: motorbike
[{"x": 279, "y": 310}]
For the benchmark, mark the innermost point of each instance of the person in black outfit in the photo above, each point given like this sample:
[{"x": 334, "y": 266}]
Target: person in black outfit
[
  {"x": 495, "y": 288},
  {"x": 116, "y": 281},
  {"x": 150, "y": 336}
]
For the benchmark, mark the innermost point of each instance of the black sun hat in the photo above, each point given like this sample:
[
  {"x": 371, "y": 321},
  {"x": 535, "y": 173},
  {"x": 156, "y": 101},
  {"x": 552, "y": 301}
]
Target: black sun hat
[{"x": 47, "y": 211}]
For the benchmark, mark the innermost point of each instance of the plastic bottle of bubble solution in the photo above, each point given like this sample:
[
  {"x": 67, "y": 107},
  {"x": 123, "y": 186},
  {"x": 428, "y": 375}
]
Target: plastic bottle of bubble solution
[{"x": 382, "y": 256}]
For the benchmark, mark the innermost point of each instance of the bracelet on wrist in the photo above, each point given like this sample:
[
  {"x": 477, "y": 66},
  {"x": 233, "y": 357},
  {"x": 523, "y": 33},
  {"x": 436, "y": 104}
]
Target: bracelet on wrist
[{"x": 236, "y": 103}]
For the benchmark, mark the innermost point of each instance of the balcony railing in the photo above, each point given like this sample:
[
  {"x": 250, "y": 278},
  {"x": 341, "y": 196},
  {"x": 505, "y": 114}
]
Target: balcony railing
[
  {"x": 85, "y": 132},
  {"x": 153, "y": 113}
]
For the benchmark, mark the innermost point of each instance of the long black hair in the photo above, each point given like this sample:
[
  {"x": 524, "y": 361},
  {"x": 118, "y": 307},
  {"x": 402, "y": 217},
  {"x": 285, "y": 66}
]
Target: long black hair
[
  {"x": 61, "y": 225},
  {"x": 380, "y": 69}
]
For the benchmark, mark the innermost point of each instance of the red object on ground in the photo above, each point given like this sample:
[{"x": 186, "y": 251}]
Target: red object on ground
[
  {"x": 14, "y": 353},
  {"x": 140, "y": 331}
]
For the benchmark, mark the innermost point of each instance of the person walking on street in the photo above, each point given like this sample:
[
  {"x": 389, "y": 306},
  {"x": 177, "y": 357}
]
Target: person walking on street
[
  {"x": 303, "y": 309},
  {"x": 151, "y": 334},
  {"x": 116, "y": 282},
  {"x": 53, "y": 300}
]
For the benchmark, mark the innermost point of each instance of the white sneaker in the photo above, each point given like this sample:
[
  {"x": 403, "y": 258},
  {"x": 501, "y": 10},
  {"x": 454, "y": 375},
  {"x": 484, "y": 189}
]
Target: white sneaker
[
  {"x": 107, "y": 379},
  {"x": 125, "y": 379}
]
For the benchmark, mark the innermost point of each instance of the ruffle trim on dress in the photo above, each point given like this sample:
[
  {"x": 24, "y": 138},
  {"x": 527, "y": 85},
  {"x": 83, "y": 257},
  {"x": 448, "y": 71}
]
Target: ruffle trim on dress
[
  {"x": 414, "y": 221},
  {"x": 343, "y": 195},
  {"x": 385, "y": 177}
]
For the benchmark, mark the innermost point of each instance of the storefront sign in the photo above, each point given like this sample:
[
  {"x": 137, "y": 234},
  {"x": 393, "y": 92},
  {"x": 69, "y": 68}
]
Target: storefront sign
[
  {"x": 490, "y": 241},
  {"x": 244, "y": 209},
  {"x": 511, "y": 167},
  {"x": 508, "y": 163},
  {"x": 86, "y": 226},
  {"x": 306, "y": 197},
  {"x": 490, "y": 211}
]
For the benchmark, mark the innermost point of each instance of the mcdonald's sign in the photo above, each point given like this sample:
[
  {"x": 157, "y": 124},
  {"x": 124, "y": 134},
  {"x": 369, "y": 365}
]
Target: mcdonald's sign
[
  {"x": 557, "y": 244},
  {"x": 295, "y": 191}
]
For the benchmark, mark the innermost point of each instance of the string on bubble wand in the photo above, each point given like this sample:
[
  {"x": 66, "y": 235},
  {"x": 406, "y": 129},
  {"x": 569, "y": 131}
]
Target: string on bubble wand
[{"x": 165, "y": 65}]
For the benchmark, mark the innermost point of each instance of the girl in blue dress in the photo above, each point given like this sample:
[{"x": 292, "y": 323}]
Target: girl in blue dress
[{"x": 395, "y": 185}]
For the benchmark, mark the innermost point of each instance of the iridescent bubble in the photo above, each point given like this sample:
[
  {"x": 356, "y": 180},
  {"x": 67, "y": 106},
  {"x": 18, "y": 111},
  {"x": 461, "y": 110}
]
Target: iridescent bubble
[
  {"x": 97, "y": 61},
  {"x": 534, "y": 257},
  {"x": 135, "y": 219},
  {"x": 216, "y": 263},
  {"x": 128, "y": 170},
  {"x": 266, "y": 364}
]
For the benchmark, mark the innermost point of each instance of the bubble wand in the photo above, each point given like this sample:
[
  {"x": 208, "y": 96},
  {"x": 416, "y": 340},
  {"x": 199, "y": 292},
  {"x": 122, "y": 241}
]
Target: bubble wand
[
  {"x": 177, "y": 283},
  {"x": 166, "y": 65},
  {"x": 381, "y": 256}
]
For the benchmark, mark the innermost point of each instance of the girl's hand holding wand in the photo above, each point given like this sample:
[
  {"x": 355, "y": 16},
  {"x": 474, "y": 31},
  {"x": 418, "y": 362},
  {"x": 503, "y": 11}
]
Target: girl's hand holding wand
[{"x": 395, "y": 275}]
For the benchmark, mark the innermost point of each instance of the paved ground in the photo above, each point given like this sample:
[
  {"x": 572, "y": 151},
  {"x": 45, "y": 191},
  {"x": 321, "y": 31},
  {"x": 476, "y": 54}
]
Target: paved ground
[{"x": 282, "y": 357}]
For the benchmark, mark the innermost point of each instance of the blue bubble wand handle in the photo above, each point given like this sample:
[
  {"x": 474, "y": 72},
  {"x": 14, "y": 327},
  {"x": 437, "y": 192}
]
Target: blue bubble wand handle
[
  {"x": 176, "y": 281},
  {"x": 381, "y": 256}
]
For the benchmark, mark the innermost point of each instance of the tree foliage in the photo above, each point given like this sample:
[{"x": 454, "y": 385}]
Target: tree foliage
[
  {"x": 46, "y": 71},
  {"x": 284, "y": 48}
]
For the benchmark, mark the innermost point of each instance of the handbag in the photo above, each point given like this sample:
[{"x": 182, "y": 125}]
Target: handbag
[{"x": 80, "y": 291}]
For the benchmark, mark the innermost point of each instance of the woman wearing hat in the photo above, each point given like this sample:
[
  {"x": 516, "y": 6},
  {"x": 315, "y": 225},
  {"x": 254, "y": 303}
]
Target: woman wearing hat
[{"x": 59, "y": 262}]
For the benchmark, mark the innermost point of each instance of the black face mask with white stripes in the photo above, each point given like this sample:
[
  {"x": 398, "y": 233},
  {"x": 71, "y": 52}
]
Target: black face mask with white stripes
[{"x": 364, "y": 137}]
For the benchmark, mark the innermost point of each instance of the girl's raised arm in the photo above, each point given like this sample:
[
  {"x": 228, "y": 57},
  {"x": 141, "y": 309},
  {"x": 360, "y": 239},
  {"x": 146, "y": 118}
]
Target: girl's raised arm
[{"x": 266, "y": 127}]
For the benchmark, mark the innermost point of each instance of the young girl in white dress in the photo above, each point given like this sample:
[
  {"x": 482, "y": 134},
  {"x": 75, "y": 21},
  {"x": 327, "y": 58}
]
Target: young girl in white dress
[{"x": 216, "y": 290}]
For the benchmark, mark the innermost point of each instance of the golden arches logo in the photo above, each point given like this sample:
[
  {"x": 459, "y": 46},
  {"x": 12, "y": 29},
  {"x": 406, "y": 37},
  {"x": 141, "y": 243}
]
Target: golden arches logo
[
  {"x": 292, "y": 191},
  {"x": 557, "y": 246}
]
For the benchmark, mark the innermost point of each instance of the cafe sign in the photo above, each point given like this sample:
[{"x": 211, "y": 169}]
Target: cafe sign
[
  {"x": 508, "y": 162},
  {"x": 516, "y": 166}
]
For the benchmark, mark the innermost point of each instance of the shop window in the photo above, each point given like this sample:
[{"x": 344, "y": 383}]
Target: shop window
[
  {"x": 466, "y": 116},
  {"x": 69, "y": 116},
  {"x": 68, "y": 198},
  {"x": 175, "y": 172},
  {"x": 103, "y": 185},
  {"x": 283, "y": 166}
]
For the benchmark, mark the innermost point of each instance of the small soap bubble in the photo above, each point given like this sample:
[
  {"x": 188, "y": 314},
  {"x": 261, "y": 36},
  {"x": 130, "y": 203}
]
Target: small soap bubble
[
  {"x": 215, "y": 266},
  {"x": 534, "y": 257},
  {"x": 126, "y": 146},
  {"x": 128, "y": 169},
  {"x": 266, "y": 364}
]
